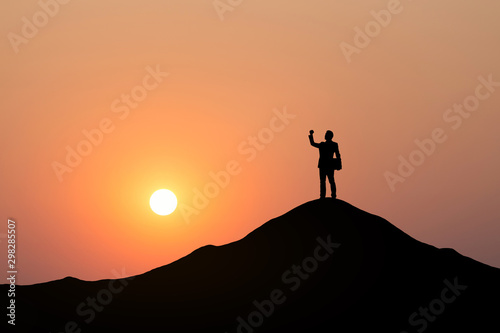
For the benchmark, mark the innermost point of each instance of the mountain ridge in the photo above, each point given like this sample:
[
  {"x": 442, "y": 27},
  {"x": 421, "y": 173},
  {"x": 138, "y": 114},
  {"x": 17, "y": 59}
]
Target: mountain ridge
[{"x": 321, "y": 266}]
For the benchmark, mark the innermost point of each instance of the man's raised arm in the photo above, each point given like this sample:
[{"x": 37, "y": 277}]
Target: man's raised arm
[{"x": 311, "y": 139}]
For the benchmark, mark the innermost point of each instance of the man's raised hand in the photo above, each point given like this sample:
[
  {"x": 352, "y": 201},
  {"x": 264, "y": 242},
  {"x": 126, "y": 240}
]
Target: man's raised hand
[{"x": 311, "y": 132}]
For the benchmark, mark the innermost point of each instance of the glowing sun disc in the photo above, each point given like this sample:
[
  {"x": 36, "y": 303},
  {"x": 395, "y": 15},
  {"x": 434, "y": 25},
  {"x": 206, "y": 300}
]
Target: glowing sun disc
[{"x": 163, "y": 202}]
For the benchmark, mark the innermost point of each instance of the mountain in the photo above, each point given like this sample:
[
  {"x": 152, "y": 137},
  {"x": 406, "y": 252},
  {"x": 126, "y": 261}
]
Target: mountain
[{"x": 325, "y": 266}]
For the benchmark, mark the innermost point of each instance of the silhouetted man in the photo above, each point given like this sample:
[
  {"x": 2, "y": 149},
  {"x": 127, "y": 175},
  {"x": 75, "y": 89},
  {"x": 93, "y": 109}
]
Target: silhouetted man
[{"x": 327, "y": 164}]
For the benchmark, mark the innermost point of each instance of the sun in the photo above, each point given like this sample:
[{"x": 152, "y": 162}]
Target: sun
[{"x": 163, "y": 202}]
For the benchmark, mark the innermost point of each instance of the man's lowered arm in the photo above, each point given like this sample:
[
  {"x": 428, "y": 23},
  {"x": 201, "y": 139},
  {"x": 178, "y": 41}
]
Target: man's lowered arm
[{"x": 337, "y": 151}]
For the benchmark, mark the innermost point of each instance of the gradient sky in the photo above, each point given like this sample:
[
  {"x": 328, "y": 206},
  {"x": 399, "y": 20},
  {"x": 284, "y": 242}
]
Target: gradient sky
[{"x": 229, "y": 75}]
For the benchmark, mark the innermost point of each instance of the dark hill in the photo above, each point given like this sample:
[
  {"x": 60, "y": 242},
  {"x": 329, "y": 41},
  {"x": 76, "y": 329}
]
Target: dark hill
[{"x": 324, "y": 266}]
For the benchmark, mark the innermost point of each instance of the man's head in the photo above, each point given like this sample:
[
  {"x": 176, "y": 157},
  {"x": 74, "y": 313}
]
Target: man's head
[{"x": 328, "y": 135}]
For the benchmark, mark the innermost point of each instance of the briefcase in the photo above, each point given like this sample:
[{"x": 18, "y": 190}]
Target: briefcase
[{"x": 337, "y": 164}]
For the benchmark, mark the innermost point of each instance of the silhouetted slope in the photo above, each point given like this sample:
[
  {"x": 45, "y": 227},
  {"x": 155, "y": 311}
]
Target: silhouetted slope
[{"x": 374, "y": 279}]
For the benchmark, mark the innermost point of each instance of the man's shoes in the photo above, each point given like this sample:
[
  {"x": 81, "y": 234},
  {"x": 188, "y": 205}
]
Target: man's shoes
[{"x": 322, "y": 197}]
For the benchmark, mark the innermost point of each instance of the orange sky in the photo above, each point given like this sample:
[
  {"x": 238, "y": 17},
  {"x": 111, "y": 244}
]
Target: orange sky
[{"x": 231, "y": 71}]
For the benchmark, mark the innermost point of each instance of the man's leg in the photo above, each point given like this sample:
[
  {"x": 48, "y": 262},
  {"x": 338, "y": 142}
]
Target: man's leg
[
  {"x": 331, "y": 179},
  {"x": 322, "y": 182}
]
